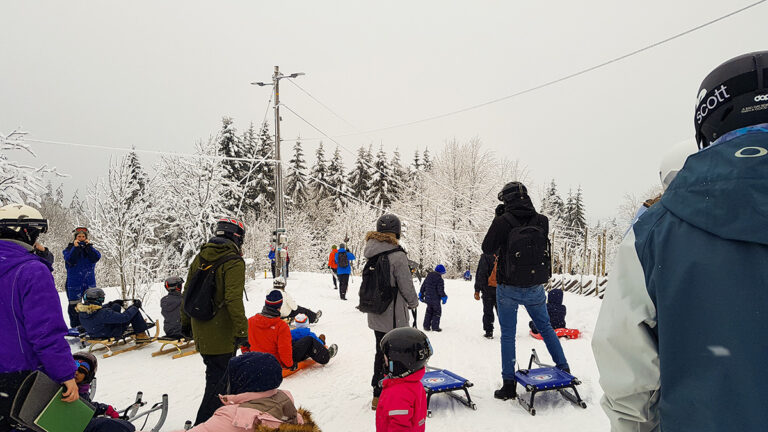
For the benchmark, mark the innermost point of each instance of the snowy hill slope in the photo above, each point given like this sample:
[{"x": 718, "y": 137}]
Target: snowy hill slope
[{"x": 339, "y": 394}]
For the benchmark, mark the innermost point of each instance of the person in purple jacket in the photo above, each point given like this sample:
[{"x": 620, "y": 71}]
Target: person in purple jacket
[{"x": 32, "y": 324}]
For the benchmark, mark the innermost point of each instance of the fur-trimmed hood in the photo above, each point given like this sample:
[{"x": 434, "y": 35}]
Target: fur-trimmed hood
[
  {"x": 87, "y": 308},
  {"x": 376, "y": 243},
  {"x": 308, "y": 426},
  {"x": 382, "y": 237}
]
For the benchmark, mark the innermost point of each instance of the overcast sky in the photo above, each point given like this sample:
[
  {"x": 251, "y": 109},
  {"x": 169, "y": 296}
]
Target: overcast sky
[{"x": 160, "y": 75}]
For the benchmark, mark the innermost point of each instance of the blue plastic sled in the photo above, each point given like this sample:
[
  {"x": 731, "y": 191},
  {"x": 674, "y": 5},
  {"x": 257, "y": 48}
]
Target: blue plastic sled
[
  {"x": 444, "y": 381},
  {"x": 546, "y": 378}
]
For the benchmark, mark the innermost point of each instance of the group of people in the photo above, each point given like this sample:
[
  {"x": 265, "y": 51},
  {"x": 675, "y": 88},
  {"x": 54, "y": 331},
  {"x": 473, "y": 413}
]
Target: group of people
[{"x": 669, "y": 357}]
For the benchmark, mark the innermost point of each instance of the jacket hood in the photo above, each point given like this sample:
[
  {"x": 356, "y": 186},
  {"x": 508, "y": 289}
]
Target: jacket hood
[
  {"x": 14, "y": 253},
  {"x": 414, "y": 377},
  {"x": 521, "y": 208},
  {"x": 376, "y": 243},
  {"x": 263, "y": 322},
  {"x": 723, "y": 189},
  {"x": 217, "y": 248},
  {"x": 555, "y": 297},
  {"x": 87, "y": 308}
]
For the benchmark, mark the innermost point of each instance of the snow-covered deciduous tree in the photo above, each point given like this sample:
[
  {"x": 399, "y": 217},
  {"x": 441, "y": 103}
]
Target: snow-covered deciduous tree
[
  {"x": 20, "y": 183},
  {"x": 296, "y": 181}
]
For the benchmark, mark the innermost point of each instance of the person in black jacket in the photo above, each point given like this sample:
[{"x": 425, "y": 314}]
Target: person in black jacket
[
  {"x": 520, "y": 275},
  {"x": 483, "y": 286},
  {"x": 555, "y": 309},
  {"x": 170, "y": 307},
  {"x": 432, "y": 293}
]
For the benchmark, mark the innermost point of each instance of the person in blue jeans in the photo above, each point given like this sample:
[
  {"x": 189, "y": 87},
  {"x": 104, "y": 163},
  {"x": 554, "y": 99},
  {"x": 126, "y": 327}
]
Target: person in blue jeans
[{"x": 517, "y": 211}]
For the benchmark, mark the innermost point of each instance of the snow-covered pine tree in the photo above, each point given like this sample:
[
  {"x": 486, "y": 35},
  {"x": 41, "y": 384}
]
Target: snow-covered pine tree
[
  {"x": 360, "y": 176},
  {"x": 400, "y": 176},
  {"x": 552, "y": 205},
  {"x": 265, "y": 172},
  {"x": 296, "y": 181},
  {"x": 578, "y": 217},
  {"x": 320, "y": 174},
  {"x": 381, "y": 183},
  {"x": 230, "y": 145},
  {"x": 426, "y": 160},
  {"x": 337, "y": 179}
]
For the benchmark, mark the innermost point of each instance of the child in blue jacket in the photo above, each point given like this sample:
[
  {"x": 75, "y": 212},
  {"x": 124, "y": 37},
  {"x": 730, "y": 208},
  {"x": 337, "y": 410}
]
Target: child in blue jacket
[{"x": 433, "y": 293}]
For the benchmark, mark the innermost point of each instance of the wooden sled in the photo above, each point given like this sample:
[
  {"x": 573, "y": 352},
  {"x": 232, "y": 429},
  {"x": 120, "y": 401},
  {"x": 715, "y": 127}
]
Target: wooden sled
[
  {"x": 100, "y": 344},
  {"x": 177, "y": 346}
]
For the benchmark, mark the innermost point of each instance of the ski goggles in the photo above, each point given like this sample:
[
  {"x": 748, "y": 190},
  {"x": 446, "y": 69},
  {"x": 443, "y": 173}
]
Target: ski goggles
[
  {"x": 80, "y": 229},
  {"x": 82, "y": 364}
]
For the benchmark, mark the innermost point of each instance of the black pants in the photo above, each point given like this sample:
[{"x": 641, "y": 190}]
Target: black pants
[
  {"x": 343, "y": 284},
  {"x": 309, "y": 347},
  {"x": 489, "y": 304},
  {"x": 333, "y": 274},
  {"x": 9, "y": 386},
  {"x": 311, "y": 316},
  {"x": 286, "y": 268},
  {"x": 74, "y": 317},
  {"x": 102, "y": 424},
  {"x": 379, "y": 367},
  {"x": 215, "y": 384},
  {"x": 137, "y": 323},
  {"x": 273, "y": 269},
  {"x": 433, "y": 314}
]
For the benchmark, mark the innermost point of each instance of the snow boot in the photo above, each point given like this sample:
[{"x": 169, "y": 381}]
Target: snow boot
[
  {"x": 317, "y": 317},
  {"x": 437, "y": 329},
  {"x": 488, "y": 334},
  {"x": 374, "y": 402},
  {"x": 332, "y": 350},
  {"x": 507, "y": 391},
  {"x": 141, "y": 338}
]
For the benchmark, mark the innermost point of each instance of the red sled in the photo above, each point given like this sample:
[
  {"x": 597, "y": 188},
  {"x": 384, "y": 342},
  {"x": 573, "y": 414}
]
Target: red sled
[{"x": 569, "y": 333}]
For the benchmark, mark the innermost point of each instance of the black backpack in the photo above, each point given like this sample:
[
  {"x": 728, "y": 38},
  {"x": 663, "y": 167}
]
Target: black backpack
[
  {"x": 527, "y": 259},
  {"x": 343, "y": 260},
  {"x": 199, "y": 293},
  {"x": 376, "y": 290}
]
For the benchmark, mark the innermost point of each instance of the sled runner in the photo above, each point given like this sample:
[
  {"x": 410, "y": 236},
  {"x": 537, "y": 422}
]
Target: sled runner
[
  {"x": 546, "y": 378},
  {"x": 437, "y": 380},
  {"x": 98, "y": 344},
  {"x": 132, "y": 412},
  {"x": 176, "y": 345},
  {"x": 569, "y": 333}
]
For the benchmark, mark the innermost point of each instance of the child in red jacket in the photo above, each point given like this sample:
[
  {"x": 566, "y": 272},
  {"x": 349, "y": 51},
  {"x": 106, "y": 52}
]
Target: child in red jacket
[{"x": 403, "y": 401}]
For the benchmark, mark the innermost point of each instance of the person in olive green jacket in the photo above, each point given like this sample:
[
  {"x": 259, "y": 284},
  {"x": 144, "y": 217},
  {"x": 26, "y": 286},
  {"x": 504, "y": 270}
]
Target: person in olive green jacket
[{"x": 218, "y": 339}]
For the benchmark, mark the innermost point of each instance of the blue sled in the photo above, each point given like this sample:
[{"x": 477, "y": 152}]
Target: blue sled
[
  {"x": 546, "y": 378},
  {"x": 444, "y": 381}
]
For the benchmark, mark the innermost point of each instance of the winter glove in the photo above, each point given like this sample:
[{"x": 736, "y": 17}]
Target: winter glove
[
  {"x": 119, "y": 302},
  {"x": 421, "y": 297},
  {"x": 499, "y": 209},
  {"x": 444, "y": 299},
  {"x": 137, "y": 303},
  {"x": 242, "y": 342},
  {"x": 477, "y": 295},
  {"x": 111, "y": 412}
]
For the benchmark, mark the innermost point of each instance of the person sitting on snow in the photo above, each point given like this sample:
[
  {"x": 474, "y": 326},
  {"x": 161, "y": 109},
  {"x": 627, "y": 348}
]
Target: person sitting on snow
[
  {"x": 290, "y": 309},
  {"x": 432, "y": 293},
  {"x": 254, "y": 401},
  {"x": 104, "y": 321},
  {"x": 105, "y": 418},
  {"x": 268, "y": 333},
  {"x": 555, "y": 309},
  {"x": 170, "y": 307}
]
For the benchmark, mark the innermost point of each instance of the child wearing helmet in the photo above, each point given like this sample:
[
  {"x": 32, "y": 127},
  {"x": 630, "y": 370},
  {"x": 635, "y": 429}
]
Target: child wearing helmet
[
  {"x": 170, "y": 307},
  {"x": 402, "y": 405},
  {"x": 109, "y": 320}
]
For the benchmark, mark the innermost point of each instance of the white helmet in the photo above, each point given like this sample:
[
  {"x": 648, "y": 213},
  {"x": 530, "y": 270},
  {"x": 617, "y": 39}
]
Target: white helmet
[
  {"x": 279, "y": 282},
  {"x": 674, "y": 159},
  {"x": 22, "y": 222}
]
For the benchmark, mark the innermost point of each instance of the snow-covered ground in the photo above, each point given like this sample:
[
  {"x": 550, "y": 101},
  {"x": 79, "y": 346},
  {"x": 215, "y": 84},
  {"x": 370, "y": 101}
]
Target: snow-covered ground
[{"x": 339, "y": 394}]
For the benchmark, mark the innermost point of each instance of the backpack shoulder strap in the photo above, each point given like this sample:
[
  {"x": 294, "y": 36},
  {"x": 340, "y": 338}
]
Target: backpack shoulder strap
[
  {"x": 511, "y": 220},
  {"x": 206, "y": 265}
]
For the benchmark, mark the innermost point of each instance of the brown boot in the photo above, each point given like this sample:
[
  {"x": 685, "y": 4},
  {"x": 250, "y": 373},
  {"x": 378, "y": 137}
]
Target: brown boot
[
  {"x": 322, "y": 338},
  {"x": 141, "y": 338},
  {"x": 374, "y": 403}
]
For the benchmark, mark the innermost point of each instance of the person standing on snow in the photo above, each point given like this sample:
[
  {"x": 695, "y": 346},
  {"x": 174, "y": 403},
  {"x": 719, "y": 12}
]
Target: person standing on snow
[
  {"x": 343, "y": 260},
  {"x": 432, "y": 293},
  {"x": 385, "y": 240},
  {"x": 80, "y": 258},
  {"x": 332, "y": 264},
  {"x": 485, "y": 284},
  {"x": 519, "y": 237},
  {"x": 675, "y": 341},
  {"x": 218, "y": 339},
  {"x": 32, "y": 327}
]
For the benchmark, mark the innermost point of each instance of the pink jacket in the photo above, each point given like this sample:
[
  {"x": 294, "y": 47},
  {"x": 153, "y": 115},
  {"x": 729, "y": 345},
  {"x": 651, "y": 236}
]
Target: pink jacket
[
  {"x": 402, "y": 404},
  {"x": 232, "y": 418}
]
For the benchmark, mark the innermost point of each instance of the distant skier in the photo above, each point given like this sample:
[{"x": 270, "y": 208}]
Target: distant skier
[
  {"x": 80, "y": 258},
  {"x": 344, "y": 260},
  {"x": 433, "y": 293},
  {"x": 170, "y": 306},
  {"x": 332, "y": 264}
]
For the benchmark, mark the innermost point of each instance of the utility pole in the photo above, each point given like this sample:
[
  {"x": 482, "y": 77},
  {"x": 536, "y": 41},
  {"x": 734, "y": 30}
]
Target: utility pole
[{"x": 279, "y": 237}]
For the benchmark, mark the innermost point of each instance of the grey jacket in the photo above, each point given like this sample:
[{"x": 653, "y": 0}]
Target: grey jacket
[
  {"x": 170, "y": 306},
  {"x": 406, "y": 299}
]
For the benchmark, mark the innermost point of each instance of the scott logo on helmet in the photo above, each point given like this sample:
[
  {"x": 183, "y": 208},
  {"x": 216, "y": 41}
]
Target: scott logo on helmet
[{"x": 711, "y": 103}]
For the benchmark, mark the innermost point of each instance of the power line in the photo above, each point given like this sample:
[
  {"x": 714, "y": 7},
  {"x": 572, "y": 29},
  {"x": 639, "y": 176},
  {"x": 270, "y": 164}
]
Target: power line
[
  {"x": 321, "y": 103},
  {"x": 555, "y": 81}
]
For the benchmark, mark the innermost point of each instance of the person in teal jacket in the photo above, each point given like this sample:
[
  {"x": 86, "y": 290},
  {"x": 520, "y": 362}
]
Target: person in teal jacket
[{"x": 677, "y": 340}]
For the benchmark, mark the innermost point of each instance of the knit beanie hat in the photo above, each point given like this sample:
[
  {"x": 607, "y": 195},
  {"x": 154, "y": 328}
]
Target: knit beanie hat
[
  {"x": 440, "y": 269},
  {"x": 254, "y": 372},
  {"x": 274, "y": 300},
  {"x": 301, "y": 321}
]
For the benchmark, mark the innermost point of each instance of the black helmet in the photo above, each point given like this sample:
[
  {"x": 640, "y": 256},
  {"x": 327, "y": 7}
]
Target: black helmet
[
  {"x": 21, "y": 222},
  {"x": 94, "y": 296},
  {"x": 231, "y": 229},
  {"x": 406, "y": 350},
  {"x": 511, "y": 191},
  {"x": 93, "y": 364},
  {"x": 732, "y": 96},
  {"x": 388, "y": 223},
  {"x": 174, "y": 283}
]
